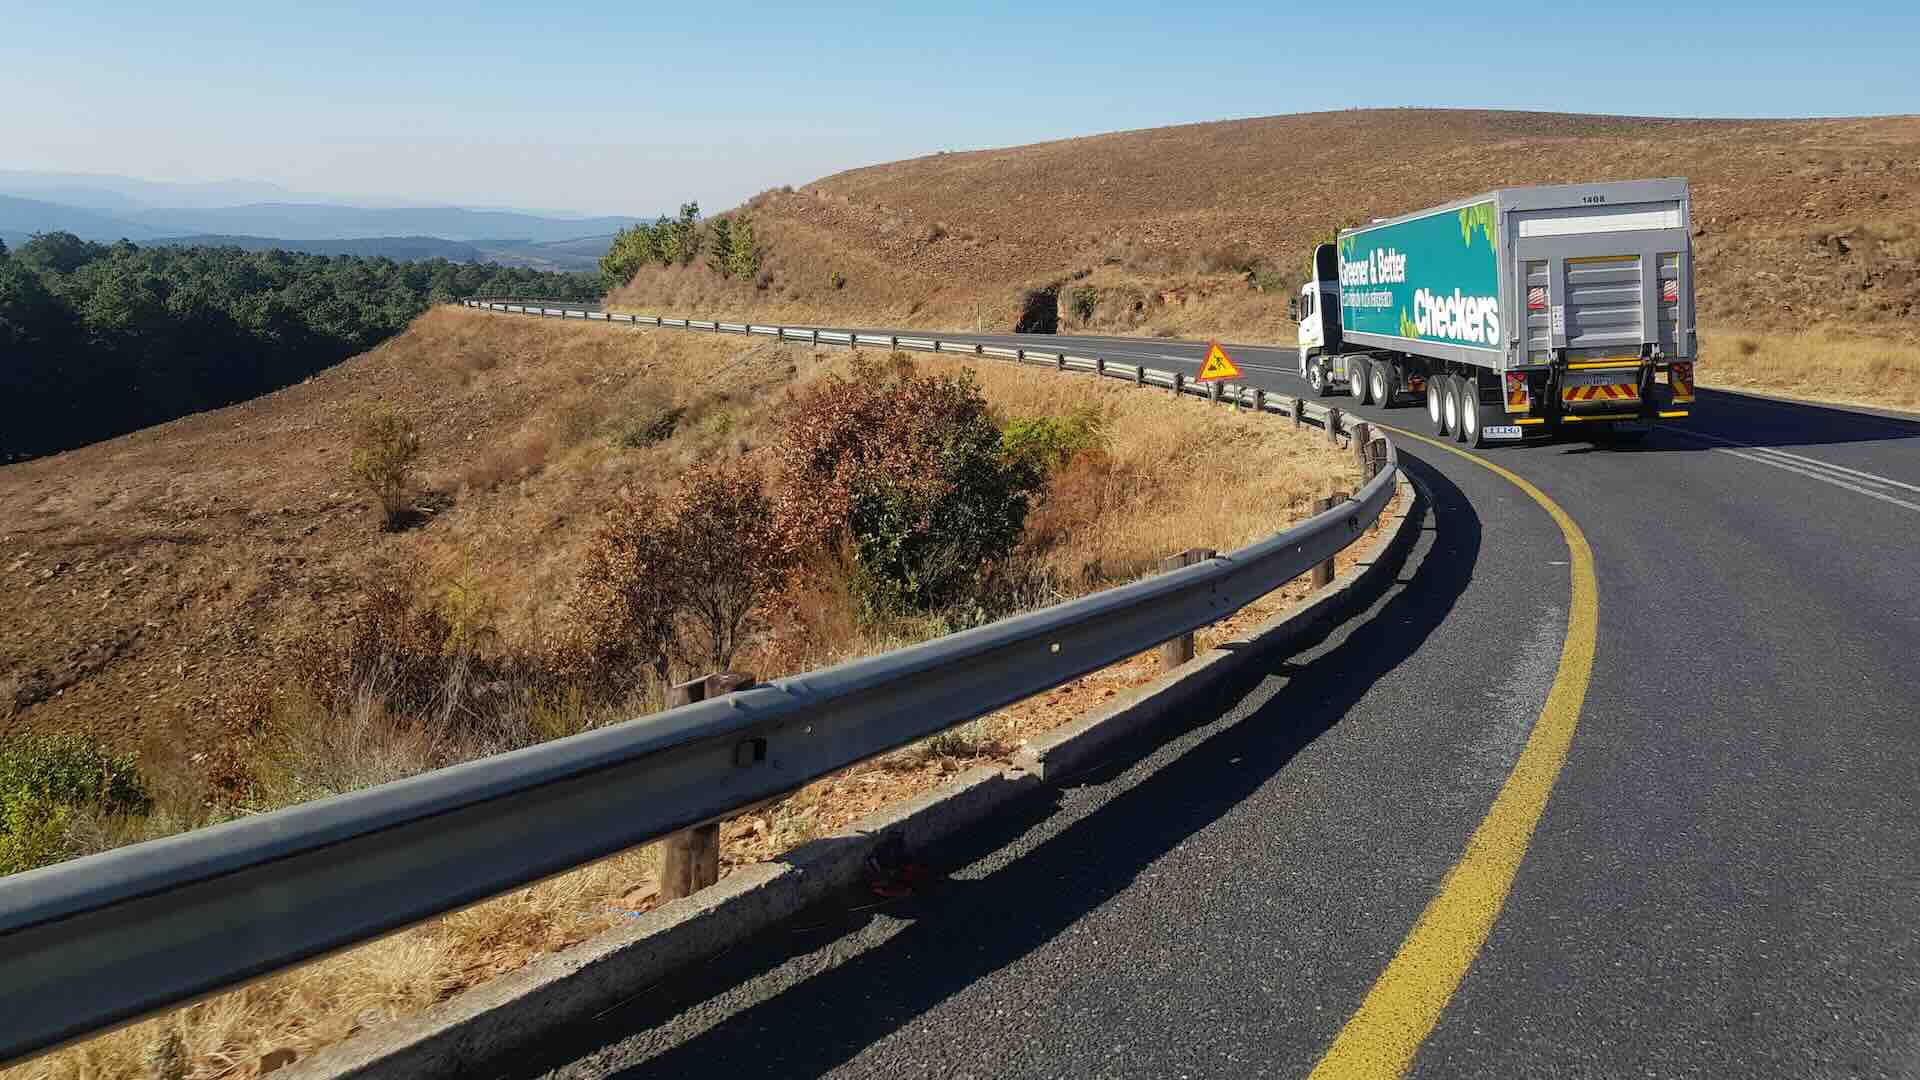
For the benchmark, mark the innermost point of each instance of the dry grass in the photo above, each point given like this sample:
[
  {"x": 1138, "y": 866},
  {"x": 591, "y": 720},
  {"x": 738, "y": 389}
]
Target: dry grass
[
  {"x": 1797, "y": 221},
  {"x": 1815, "y": 365},
  {"x": 1173, "y": 474}
]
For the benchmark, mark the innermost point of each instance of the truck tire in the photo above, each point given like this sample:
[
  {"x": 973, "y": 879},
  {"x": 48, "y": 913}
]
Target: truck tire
[
  {"x": 1357, "y": 384},
  {"x": 1450, "y": 405},
  {"x": 1473, "y": 417},
  {"x": 1381, "y": 384},
  {"x": 1317, "y": 375},
  {"x": 1436, "y": 403}
]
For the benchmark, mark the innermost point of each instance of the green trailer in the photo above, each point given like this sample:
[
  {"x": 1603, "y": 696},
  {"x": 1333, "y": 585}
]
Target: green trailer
[{"x": 1513, "y": 313}]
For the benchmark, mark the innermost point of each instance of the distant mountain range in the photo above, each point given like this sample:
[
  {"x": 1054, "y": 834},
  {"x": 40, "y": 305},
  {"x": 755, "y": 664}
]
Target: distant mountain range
[{"x": 105, "y": 209}]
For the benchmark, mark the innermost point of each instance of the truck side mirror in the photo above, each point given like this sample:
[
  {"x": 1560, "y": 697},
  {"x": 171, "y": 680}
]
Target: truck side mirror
[{"x": 1293, "y": 308}]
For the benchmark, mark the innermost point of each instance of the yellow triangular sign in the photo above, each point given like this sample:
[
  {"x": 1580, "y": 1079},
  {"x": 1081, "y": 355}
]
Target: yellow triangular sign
[{"x": 1217, "y": 366}]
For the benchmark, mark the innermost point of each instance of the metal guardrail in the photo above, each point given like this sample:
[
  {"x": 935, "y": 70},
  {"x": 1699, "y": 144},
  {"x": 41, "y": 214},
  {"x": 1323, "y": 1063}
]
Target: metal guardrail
[{"x": 109, "y": 938}]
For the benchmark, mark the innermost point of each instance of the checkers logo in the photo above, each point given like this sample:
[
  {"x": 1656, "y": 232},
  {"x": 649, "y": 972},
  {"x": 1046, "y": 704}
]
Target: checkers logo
[
  {"x": 1536, "y": 299},
  {"x": 1670, "y": 291}
]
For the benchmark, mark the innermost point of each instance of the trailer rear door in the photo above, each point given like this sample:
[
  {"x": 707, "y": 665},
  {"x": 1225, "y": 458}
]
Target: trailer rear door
[{"x": 1605, "y": 282}]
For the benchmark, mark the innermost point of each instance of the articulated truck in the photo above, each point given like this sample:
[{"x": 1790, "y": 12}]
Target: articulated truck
[{"x": 1512, "y": 314}]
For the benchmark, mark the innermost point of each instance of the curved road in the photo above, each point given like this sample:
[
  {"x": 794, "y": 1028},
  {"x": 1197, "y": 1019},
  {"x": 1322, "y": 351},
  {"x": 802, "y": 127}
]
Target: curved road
[{"x": 1726, "y": 881}]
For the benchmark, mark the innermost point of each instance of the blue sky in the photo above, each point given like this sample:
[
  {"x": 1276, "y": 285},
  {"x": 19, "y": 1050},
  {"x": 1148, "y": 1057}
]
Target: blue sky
[{"x": 633, "y": 107}]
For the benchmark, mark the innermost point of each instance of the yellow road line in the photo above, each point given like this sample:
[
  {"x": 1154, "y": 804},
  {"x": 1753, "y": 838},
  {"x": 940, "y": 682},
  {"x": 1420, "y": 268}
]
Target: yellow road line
[{"x": 1380, "y": 1040}]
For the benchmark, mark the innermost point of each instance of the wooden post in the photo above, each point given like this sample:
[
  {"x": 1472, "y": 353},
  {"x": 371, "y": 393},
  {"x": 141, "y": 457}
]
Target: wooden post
[
  {"x": 1299, "y": 410},
  {"x": 1333, "y": 426},
  {"x": 1362, "y": 434},
  {"x": 1180, "y": 650},
  {"x": 1099, "y": 365},
  {"x": 1139, "y": 375},
  {"x": 1323, "y": 573},
  {"x": 893, "y": 342},
  {"x": 690, "y": 858},
  {"x": 1213, "y": 392},
  {"x": 1179, "y": 381},
  {"x": 1059, "y": 361},
  {"x": 1259, "y": 400}
]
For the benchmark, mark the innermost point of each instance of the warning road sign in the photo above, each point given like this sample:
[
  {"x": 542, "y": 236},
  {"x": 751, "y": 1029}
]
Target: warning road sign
[{"x": 1217, "y": 366}]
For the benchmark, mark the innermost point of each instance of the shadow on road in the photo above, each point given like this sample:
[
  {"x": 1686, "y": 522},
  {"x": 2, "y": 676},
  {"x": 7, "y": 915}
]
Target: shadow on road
[
  {"x": 1760, "y": 422},
  {"x": 964, "y": 930}
]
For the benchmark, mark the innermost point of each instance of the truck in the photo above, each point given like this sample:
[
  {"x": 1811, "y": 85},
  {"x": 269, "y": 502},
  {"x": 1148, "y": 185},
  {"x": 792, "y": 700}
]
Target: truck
[{"x": 1517, "y": 313}]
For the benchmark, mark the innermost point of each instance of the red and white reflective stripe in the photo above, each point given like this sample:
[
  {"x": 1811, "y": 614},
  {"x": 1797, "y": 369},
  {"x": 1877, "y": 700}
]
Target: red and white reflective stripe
[
  {"x": 1536, "y": 299},
  {"x": 1670, "y": 291}
]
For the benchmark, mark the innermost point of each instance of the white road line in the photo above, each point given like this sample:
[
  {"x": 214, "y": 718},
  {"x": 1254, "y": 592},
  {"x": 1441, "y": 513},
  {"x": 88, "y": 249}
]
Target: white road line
[{"x": 1812, "y": 468}]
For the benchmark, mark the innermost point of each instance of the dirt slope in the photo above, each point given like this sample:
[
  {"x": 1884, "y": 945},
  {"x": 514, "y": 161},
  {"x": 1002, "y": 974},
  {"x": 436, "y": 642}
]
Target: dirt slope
[
  {"x": 1797, "y": 221},
  {"x": 142, "y": 572}
]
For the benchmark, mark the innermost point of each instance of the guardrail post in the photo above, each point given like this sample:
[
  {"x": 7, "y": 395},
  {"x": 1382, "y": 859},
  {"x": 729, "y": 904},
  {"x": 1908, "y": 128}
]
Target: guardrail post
[
  {"x": 1059, "y": 361},
  {"x": 1099, "y": 365},
  {"x": 979, "y": 349},
  {"x": 1139, "y": 375},
  {"x": 1323, "y": 572},
  {"x": 1179, "y": 380},
  {"x": 1019, "y": 356},
  {"x": 1259, "y": 400},
  {"x": 1362, "y": 434},
  {"x": 1213, "y": 392},
  {"x": 690, "y": 858},
  {"x": 1299, "y": 411},
  {"x": 1333, "y": 426},
  {"x": 893, "y": 342},
  {"x": 1179, "y": 650},
  {"x": 815, "y": 338},
  {"x": 936, "y": 344}
]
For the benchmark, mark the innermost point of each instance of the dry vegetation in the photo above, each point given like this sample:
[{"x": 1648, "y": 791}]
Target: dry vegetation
[
  {"x": 1177, "y": 231},
  {"x": 158, "y": 582}
]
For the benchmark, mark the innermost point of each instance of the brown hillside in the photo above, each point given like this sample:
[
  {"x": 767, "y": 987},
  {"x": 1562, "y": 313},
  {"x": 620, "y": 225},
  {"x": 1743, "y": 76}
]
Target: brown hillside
[
  {"x": 143, "y": 573},
  {"x": 1797, "y": 221}
]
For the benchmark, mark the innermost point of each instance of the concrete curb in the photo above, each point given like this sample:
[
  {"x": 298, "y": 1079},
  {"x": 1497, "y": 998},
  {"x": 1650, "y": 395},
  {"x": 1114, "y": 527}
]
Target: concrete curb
[{"x": 460, "y": 1036}]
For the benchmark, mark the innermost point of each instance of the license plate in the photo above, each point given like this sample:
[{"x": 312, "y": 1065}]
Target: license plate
[{"x": 1502, "y": 431}]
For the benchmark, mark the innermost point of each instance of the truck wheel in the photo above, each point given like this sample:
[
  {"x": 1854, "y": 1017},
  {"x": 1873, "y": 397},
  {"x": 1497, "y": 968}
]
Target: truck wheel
[
  {"x": 1470, "y": 415},
  {"x": 1450, "y": 404},
  {"x": 1357, "y": 381},
  {"x": 1436, "y": 407},
  {"x": 1317, "y": 376},
  {"x": 1380, "y": 379}
]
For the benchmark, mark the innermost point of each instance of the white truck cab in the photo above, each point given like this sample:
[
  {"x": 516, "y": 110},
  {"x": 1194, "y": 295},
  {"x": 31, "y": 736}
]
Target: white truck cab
[{"x": 1317, "y": 309}]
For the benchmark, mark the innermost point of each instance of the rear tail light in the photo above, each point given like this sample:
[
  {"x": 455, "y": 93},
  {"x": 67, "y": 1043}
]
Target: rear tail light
[
  {"x": 1680, "y": 378},
  {"x": 1517, "y": 397}
]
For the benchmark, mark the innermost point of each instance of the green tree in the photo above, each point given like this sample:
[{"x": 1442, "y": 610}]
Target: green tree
[
  {"x": 720, "y": 247},
  {"x": 743, "y": 249}
]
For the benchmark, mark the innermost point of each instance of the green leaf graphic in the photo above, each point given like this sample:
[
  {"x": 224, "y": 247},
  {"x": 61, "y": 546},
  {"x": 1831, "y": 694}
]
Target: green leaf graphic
[
  {"x": 1478, "y": 216},
  {"x": 1408, "y": 328}
]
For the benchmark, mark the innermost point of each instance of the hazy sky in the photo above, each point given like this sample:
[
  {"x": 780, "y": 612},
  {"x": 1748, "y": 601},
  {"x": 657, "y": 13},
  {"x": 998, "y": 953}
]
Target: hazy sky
[{"x": 634, "y": 108}]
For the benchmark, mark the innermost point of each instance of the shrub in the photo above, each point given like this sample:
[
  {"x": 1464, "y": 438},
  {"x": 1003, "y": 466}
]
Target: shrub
[
  {"x": 657, "y": 587},
  {"x": 730, "y": 553},
  {"x": 905, "y": 473},
  {"x": 1084, "y": 299},
  {"x": 1269, "y": 281},
  {"x": 624, "y": 598},
  {"x": 382, "y": 462},
  {"x": 1049, "y": 442},
  {"x": 44, "y": 781}
]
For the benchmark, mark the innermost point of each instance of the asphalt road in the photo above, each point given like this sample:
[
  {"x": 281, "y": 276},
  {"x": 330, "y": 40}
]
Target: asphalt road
[{"x": 1726, "y": 881}]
